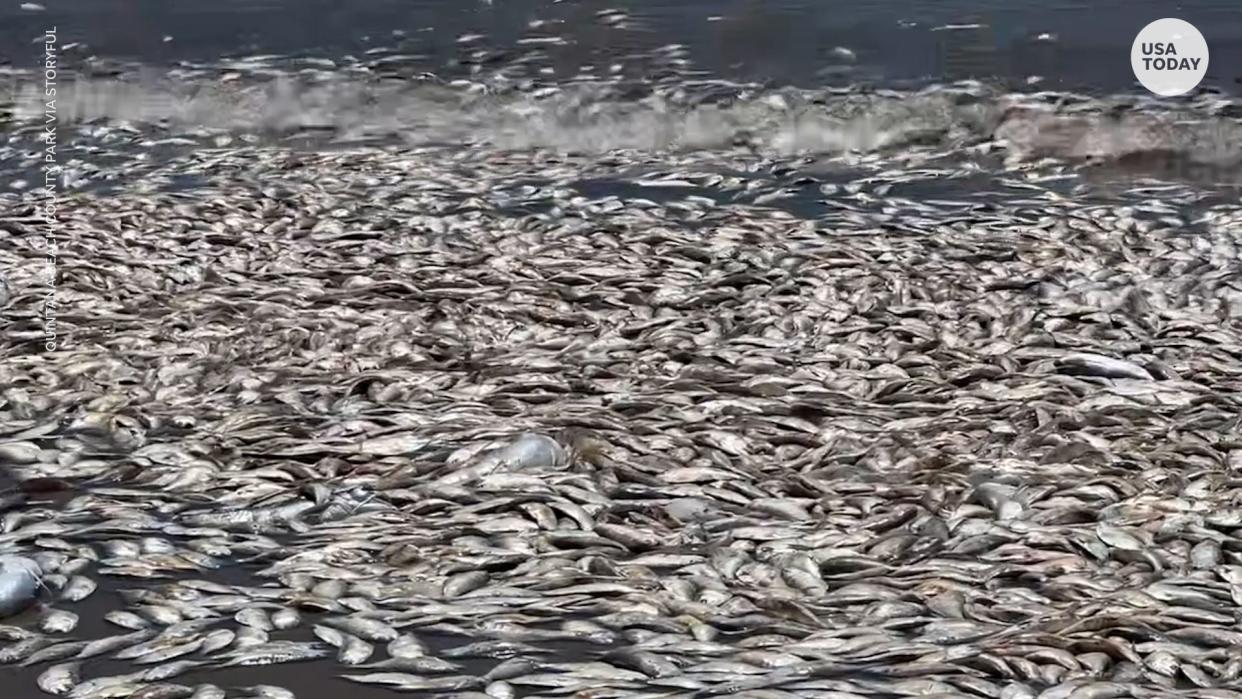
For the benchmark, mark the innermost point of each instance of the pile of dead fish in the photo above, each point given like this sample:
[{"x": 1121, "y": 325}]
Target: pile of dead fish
[{"x": 480, "y": 423}]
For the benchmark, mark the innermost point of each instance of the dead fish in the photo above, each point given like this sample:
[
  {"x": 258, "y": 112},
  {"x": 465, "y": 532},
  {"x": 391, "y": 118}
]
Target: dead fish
[
  {"x": 110, "y": 643},
  {"x": 169, "y": 670},
  {"x": 267, "y": 691},
  {"x": 163, "y": 690},
  {"x": 77, "y": 589},
  {"x": 58, "y": 680},
  {"x": 59, "y": 651},
  {"x": 161, "y": 614},
  {"x": 367, "y": 629},
  {"x": 406, "y": 646},
  {"x": 354, "y": 651},
  {"x": 412, "y": 683},
  {"x": 489, "y": 649},
  {"x": 1099, "y": 365},
  {"x": 20, "y": 582},
  {"x": 649, "y": 664},
  {"x": 217, "y": 639},
  {"x": 463, "y": 583},
  {"x": 286, "y": 618},
  {"x": 249, "y": 637},
  {"x": 329, "y": 635},
  {"x": 254, "y": 618},
  {"x": 328, "y": 589},
  {"x": 58, "y": 621},
  {"x": 14, "y": 633},
  {"x": 421, "y": 665},
  {"x": 511, "y": 668},
  {"x": 170, "y": 652},
  {"x": 116, "y": 686},
  {"x": 127, "y": 620},
  {"x": 275, "y": 652},
  {"x": 23, "y": 649}
]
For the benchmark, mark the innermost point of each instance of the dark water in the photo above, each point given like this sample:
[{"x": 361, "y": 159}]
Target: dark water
[
  {"x": 306, "y": 679},
  {"x": 590, "y": 76},
  {"x": 894, "y": 42}
]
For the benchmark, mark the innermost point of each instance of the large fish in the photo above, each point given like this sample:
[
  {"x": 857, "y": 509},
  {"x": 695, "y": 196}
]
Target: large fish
[{"x": 20, "y": 581}]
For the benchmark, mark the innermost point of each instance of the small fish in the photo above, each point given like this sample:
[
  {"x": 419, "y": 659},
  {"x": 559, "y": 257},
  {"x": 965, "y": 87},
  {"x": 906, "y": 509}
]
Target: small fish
[
  {"x": 249, "y": 637},
  {"x": 167, "y": 670},
  {"x": 217, "y": 639},
  {"x": 276, "y": 652},
  {"x": 423, "y": 665},
  {"x": 267, "y": 691},
  {"x": 254, "y": 618},
  {"x": 462, "y": 583},
  {"x": 14, "y": 633},
  {"x": 844, "y": 54},
  {"x": 286, "y": 618},
  {"x": 367, "y": 629},
  {"x": 60, "y": 651},
  {"x": 58, "y": 680},
  {"x": 127, "y": 620},
  {"x": 355, "y": 651},
  {"x": 509, "y": 669},
  {"x": 107, "y": 645},
  {"x": 163, "y": 690},
  {"x": 170, "y": 653},
  {"x": 77, "y": 589},
  {"x": 23, "y": 649},
  {"x": 490, "y": 649},
  {"x": 406, "y": 646},
  {"x": 106, "y": 687},
  {"x": 500, "y": 689},
  {"x": 329, "y": 635},
  {"x": 1099, "y": 365},
  {"x": 414, "y": 683},
  {"x": 647, "y": 663},
  {"x": 161, "y": 614},
  {"x": 328, "y": 589},
  {"x": 58, "y": 621}
]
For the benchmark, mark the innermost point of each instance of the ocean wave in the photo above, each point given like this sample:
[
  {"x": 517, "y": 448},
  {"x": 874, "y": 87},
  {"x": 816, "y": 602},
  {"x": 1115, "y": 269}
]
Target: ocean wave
[{"x": 598, "y": 116}]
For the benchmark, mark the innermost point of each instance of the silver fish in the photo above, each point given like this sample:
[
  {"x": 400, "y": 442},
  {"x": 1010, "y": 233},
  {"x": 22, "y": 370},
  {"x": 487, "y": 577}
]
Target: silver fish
[
  {"x": 58, "y": 621},
  {"x": 275, "y": 652},
  {"x": 355, "y": 651},
  {"x": 58, "y": 680},
  {"x": 77, "y": 589}
]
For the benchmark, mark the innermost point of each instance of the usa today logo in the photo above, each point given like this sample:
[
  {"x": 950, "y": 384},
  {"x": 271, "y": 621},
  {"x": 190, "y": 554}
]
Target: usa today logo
[{"x": 1169, "y": 57}]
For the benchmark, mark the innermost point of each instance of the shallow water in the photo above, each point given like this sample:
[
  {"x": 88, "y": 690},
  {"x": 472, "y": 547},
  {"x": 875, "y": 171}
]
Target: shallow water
[{"x": 785, "y": 41}]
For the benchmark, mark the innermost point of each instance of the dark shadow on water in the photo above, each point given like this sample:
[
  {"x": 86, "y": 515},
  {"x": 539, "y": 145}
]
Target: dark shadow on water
[{"x": 317, "y": 679}]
